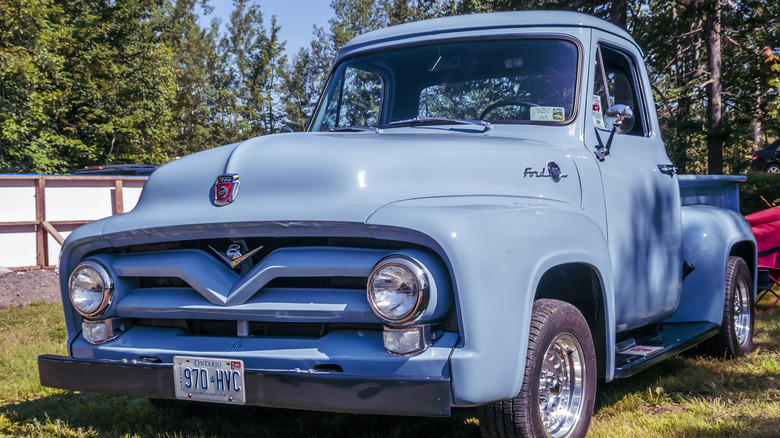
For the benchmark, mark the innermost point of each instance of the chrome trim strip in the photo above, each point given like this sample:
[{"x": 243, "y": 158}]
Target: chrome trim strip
[
  {"x": 288, "y": 304},
  {"x": 220, "y": 285}
]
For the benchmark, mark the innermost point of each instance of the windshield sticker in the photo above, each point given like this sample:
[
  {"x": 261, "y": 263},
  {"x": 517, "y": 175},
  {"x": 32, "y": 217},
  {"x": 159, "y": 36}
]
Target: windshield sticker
[
  {"x": 598, "y": 116},
  {"x": 547, "y": 113}
]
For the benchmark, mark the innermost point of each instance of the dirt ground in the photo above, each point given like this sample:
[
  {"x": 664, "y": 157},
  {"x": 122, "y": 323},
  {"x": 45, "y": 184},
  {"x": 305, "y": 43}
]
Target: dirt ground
[{"x": 23, "y": 287}]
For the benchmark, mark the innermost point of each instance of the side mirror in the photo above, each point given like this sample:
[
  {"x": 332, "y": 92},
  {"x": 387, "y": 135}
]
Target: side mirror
[{"x": 620, "y": 118}]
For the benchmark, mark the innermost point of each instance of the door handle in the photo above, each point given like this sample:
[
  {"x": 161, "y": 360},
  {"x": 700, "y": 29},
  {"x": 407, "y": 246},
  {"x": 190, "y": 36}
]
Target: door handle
[{"x": 668, "y": 169}]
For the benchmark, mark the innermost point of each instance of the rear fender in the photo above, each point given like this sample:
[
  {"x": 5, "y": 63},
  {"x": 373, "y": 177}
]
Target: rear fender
[{"x": 709, "y": 236}]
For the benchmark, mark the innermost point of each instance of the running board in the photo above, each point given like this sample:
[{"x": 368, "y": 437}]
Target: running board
[{"x": 638, "y": 355}]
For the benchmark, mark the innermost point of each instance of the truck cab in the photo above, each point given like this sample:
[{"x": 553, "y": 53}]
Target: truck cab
[{"x": 481, "y": 214}]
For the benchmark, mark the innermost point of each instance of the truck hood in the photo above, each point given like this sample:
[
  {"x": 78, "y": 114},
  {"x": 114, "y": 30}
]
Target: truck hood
[{"x": 345, "y": 177}]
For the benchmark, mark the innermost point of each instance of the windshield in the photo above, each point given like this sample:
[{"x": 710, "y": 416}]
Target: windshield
[{"x": 500, "y": 81}]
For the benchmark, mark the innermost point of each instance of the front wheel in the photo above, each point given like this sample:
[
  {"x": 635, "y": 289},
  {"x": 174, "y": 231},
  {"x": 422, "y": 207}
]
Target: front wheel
[
  {"x": 559, "y": 384},
  {"x": 735, "y": 338}
]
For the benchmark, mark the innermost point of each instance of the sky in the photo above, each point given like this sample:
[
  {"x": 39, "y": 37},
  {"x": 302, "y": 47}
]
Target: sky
[{"x": 296, "y": 18}]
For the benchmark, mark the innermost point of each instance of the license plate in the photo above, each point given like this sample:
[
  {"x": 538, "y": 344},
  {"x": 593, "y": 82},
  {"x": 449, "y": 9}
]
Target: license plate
[{"x": 209, "y": 379}]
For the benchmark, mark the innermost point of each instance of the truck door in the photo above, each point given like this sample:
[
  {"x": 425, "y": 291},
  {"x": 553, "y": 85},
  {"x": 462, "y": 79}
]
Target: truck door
[{"x": 640, "y": 190}]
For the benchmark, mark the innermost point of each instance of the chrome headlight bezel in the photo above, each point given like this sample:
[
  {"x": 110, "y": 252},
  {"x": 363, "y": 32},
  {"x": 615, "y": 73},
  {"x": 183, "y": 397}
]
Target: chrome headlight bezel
[
  {"x": 422, "y": 278},
  {"x": 107, "y": 287}
]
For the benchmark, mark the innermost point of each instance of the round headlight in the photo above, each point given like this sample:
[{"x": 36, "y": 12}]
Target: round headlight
[
  {"x": 398, "y": 290},
  {"x": 90, "y": 289}
]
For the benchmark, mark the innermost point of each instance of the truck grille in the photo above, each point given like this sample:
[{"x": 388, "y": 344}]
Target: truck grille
[
  {"x": 293, "y": 288},
  {"x": 196, "y": 327}
]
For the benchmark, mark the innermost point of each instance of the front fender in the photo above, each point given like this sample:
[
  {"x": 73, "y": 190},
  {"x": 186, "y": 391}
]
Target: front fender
[
  {"x": 498, "y": 249},
  {"x": 86, "y": 239},
  {"x": 709, "y": 235}
]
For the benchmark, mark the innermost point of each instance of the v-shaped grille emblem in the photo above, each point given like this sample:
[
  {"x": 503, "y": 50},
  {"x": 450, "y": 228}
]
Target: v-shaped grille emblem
[{"x": 233, "y": 256}]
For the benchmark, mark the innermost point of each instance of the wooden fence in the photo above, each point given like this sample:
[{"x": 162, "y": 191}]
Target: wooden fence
[{"x": 47, "y": 207}]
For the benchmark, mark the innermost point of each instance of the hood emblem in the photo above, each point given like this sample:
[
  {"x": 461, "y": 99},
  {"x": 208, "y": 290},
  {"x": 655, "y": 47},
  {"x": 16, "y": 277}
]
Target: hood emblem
[
  {"x": 226, "y": 188},
  {"x": 233, "y": 256}
]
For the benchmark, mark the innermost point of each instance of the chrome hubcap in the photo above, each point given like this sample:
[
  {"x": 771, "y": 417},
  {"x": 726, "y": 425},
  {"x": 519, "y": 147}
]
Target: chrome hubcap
[
  {"x": 742, "y": 311},
  {"x": 561, "y": 385}
]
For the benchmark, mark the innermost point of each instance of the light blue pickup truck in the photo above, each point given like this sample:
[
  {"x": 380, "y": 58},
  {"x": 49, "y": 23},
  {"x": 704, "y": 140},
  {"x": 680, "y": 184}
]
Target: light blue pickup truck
[{"x": 481, "y": 214}]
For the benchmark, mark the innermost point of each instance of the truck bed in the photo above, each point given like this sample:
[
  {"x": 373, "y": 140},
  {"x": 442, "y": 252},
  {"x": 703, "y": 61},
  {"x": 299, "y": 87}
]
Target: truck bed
[{"x": 717, "y": 190}]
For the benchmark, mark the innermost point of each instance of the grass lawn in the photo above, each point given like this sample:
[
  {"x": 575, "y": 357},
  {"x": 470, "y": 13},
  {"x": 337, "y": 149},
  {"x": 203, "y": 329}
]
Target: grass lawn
[{"x": 687, "y": 396}]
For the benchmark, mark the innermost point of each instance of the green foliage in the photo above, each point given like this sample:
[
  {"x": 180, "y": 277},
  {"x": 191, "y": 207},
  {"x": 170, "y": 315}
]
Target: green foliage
[
  {"x": 614, "y": 11},
  {"x": 300, "y": 88},
  {"x": 248, "y": 75},
  {"x": 22, "y": 342},
  {"x": 32, "y": 89},
  {"x": 87, "y": 82},
  {"x": 305, "y": 75},
  {"x": 96, "y": 82},
  {"x": 771, "y": 76},
  {"x": 82, "y": 84},
  {"x": 760, "y": 192},
  {"x": 673, "y": 34},
  {"x": 123, "y": 82},
  {"x": 192, "y": 49}
]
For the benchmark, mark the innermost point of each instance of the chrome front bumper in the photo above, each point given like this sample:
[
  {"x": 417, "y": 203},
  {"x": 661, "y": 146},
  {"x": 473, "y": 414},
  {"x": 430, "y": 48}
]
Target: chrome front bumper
[{"x": 320, "y": 391}]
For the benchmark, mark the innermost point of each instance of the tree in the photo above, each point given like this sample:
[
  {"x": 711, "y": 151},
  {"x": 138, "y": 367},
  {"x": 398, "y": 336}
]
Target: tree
[
  {"x": 300, "y": 89},
  {"x": 308, "y": 69},
  {"x": 35, "y": 135},
  {"x": 771, "y": 73},
  {"x": 355, "y": 17},
  {"x": 614, "y": 11},
  {"x": 703, "y": 56},
  {"x": 191, "y": 47},
  {"x": 713, "y": 125},
  {"x": 83, "y": 82},
  {"x": 268, "y": 63},
  {"x": 124, "y": 81},
  {"x": 96, "y": 81},
  {"x": 405, "y": 11},
  {"x": 305, "y": 76},
  {"x": 247, "y": 78}
]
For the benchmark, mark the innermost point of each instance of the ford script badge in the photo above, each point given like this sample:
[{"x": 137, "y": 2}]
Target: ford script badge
[
  {"x": 226, "y": 188},
  {"x": 553, "y": 171}
]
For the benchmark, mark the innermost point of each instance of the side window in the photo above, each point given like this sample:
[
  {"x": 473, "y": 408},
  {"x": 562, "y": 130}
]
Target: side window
[
  {"x": 358, "y": 100},
  {"x": 616, "y": 83}
]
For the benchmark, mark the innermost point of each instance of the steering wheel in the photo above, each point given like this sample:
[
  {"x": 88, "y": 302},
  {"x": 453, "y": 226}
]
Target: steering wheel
[{"x": 501, "y": 103}]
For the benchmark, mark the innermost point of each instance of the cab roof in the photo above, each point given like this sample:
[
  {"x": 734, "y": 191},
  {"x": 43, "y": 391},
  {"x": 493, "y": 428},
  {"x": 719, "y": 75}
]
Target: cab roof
[{"x": 476, "y": 22}]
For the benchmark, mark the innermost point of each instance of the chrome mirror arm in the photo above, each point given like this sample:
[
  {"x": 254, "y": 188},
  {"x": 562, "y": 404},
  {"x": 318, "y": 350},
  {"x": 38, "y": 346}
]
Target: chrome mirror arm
[{"x": 620, "y": 119}]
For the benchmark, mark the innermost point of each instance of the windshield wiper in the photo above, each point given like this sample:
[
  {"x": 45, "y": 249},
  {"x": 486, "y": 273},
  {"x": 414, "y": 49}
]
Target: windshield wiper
[
  {"x": 422, "y": 121},
  {"x": 373, "y": 129}
]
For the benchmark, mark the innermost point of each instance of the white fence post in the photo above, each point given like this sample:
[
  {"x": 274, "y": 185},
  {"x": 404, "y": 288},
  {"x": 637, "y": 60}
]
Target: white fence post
[{"x": 37, "y": 212}]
